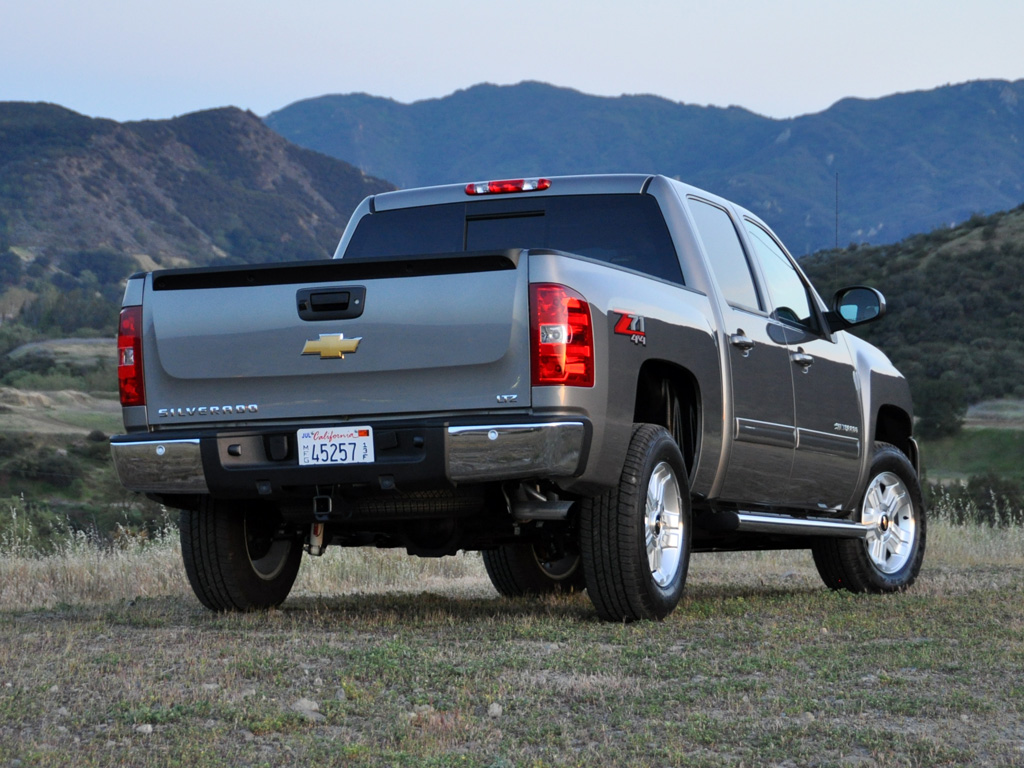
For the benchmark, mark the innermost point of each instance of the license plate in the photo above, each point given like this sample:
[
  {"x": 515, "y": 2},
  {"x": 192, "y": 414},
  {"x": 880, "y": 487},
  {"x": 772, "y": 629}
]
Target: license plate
[{"x": 335, "y": 445}]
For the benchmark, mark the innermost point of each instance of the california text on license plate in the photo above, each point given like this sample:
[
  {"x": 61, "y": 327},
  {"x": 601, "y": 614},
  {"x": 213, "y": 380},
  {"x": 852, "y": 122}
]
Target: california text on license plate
[{"x": 335, "y": 445}]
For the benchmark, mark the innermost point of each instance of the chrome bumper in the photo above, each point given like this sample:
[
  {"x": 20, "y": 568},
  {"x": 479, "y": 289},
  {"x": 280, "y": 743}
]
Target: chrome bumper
[
  {"x": 509, "y": 451},
  {"x": 169, "y": 466},
  {"x": 472, "y": 454}
]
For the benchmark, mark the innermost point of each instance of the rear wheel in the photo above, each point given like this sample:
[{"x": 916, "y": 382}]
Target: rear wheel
[
  {"x": 889, "y": 559},
  {"x": 635, "y": 539},
  {"x": 528, "y": 568},
  {"x": 236, "y": 557}
]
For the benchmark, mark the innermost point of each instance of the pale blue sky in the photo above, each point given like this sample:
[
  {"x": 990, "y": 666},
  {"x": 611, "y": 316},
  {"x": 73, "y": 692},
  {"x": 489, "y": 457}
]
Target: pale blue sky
[{"x": 138, "y": 59}]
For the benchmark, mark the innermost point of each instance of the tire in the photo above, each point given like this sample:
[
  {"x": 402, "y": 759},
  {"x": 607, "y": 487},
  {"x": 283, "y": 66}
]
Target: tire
[
  {"x": 635, "y": 539},
  {"x": 234, "y": 559},
  {"x": 526, "y": 568},
  {"x": 889, "y": 559}
]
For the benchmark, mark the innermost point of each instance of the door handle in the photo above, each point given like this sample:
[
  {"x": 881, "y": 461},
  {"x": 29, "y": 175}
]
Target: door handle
[
  {"x": 742, "y": 342},
  {"x": 801, "y": 358}
]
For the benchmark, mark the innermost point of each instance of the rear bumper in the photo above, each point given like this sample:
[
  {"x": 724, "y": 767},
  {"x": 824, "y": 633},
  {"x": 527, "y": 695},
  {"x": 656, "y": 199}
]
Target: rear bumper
[
  {"x": 160, "y": 466},
  {"x": 263, "y": 463}
]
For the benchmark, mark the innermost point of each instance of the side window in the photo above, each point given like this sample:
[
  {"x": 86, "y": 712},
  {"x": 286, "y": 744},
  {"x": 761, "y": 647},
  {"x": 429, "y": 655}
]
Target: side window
[
  {"x": 725, "y": 252},
  {"x": 789, "y": 296}
]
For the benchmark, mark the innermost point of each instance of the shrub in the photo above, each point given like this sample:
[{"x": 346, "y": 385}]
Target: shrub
[{"x": 988, "y": 500}]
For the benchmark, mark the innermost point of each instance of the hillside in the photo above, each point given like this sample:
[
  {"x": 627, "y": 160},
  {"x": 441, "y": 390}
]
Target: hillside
[
  {"x": 955, "y": 323},
  {"x": 210, "y": 186},
  {"x": 907, "y": 163}
]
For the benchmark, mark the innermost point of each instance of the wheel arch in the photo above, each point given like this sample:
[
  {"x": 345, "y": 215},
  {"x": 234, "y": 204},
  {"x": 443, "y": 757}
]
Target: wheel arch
[
  {"x": 657, "y": 382},
  {"x": 894, "y": 425}
]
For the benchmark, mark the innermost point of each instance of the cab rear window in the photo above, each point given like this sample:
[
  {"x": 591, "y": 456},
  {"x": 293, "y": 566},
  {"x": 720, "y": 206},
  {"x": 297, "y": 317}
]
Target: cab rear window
[{"x": 624, "y": 230}]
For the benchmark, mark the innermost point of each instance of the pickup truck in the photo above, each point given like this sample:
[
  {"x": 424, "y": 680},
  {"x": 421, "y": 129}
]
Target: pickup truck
[{"x": 585, "y": 378}]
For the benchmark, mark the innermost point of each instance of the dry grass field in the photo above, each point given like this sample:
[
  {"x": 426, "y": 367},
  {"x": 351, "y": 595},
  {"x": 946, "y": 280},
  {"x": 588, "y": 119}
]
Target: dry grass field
[{"x": 382, "y": 659}]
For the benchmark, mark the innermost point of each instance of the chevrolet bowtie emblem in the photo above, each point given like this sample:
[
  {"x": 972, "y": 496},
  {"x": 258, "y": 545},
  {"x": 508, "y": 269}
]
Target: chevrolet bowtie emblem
[{"x": 331, "y": 345}]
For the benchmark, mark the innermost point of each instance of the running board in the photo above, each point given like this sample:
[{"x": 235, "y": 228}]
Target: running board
[{"x": 806, "y": 526}]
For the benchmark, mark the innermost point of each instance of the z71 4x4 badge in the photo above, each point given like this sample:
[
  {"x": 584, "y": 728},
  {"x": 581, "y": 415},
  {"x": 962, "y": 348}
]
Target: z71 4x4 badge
[{"x": 631, "y": 325}]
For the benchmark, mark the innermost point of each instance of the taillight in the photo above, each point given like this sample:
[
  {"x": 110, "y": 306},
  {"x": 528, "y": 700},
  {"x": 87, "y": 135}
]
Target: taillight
[
  {"x": 129, "y": 357},
  {"x": 506, "y": 185},
  {"x": 561, "y": 337}
]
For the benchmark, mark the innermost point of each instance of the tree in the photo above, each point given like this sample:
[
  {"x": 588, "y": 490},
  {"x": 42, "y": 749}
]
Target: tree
[{"x": 940, "y": 405}]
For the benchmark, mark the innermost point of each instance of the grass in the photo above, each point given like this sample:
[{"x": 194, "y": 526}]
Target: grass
[
  {"x": 382, "y": 659},
  {"x": 106, "y": 658},
  {"x": 991, "y": 443},
  {"x": 975, "y": 451}
]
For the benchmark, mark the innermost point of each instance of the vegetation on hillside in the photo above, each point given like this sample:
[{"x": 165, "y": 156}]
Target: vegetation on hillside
[
  {"x": 955, "y": 320},
  {"x": 210, "y": 187}
]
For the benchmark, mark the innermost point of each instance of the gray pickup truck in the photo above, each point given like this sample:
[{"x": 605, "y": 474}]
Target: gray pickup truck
[{"x": 586, "y": 378}]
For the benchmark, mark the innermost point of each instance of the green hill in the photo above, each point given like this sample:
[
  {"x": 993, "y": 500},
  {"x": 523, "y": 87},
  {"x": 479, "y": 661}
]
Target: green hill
[{"x": 955, "y": 322}]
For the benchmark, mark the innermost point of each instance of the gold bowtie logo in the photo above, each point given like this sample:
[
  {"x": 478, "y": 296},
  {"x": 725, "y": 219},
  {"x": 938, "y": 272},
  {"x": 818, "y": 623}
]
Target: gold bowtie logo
[{"x": 331, "y": 345}]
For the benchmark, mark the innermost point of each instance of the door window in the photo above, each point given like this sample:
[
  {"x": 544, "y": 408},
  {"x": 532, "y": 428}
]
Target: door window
[
  {"x": 725, "y": 252},
  {"x": 789, "y": 296}
]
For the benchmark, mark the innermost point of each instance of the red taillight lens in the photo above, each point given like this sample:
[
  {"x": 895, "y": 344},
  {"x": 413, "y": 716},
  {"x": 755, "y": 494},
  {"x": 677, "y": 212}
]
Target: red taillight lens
[
  {"x": 561, "y": 337},
  {"x": 129, "y": 357},
  {"x": 506, "y": 185}
]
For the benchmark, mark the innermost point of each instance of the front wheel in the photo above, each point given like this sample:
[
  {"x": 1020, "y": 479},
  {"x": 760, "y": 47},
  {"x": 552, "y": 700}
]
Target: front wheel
[
  {"x": 889, "y": 558},
  {"x": 635, "y": 539},
  {"x": 237, "y": 558}
]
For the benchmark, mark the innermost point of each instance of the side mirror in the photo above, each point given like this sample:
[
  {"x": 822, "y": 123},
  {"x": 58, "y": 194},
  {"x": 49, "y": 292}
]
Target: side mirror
[{"x": 855, "y": 305}]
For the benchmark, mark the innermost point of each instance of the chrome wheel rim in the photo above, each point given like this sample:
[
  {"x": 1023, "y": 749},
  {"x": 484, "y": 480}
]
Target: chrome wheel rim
[
  {"x": 888, "y": 512},
  {"x": 663, "y": 525}
]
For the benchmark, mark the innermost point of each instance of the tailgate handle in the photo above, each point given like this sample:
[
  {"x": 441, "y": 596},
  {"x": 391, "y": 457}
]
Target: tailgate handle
[
  {"x": 331, "y": 303},
  {"x": 328, "y": 302}
]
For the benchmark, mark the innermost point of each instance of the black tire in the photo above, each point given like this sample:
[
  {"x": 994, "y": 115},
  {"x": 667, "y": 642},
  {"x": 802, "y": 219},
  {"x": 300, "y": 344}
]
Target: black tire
[
  {"x": 526, "y": 568},
  {"x": 234, "y": 558},
  {"x": 636, "y": 552},
  {"x": 889, "y": 560}
]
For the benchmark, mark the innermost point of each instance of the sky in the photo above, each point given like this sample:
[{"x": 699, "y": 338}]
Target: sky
[{"x": 153, "y": 59}]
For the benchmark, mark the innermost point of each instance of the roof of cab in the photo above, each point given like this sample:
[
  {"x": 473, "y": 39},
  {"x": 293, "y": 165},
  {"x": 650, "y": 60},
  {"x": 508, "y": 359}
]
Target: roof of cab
[{"x": 608, "y": 184}]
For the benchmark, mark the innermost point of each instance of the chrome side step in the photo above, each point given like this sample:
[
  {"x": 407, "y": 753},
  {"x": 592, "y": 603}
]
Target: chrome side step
[{"x": 807, "y": 526}]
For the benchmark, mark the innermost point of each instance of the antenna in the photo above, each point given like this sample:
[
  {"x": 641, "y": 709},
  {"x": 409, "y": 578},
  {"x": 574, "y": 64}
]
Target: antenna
[{"x": 837, "y": 210}]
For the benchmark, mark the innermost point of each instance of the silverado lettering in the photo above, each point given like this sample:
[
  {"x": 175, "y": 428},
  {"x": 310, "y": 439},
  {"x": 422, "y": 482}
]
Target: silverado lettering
[{"x": 208, "y": 410}]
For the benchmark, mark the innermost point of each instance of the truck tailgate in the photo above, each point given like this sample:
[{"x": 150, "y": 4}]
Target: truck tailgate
[{"x": 336, "y": 339}]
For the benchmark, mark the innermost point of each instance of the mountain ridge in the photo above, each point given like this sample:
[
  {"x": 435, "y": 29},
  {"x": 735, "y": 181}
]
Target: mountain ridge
[
  {"x": 907, "y": 162},
  {"x": 213, "y": 186}
]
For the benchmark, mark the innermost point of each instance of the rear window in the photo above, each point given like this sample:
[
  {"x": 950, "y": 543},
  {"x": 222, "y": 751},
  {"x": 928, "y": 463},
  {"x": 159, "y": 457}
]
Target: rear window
[{"x": 625, "y": 230}]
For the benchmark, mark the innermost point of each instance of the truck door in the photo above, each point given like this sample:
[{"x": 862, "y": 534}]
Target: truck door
[
  {"x": 761, "y": 425},
  {"x": 829, "y": 431}
]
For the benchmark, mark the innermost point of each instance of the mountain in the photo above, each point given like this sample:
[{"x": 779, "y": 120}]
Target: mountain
[
  {"x": 216, "y": 186},
  {"x": 906, "y": 163}
]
